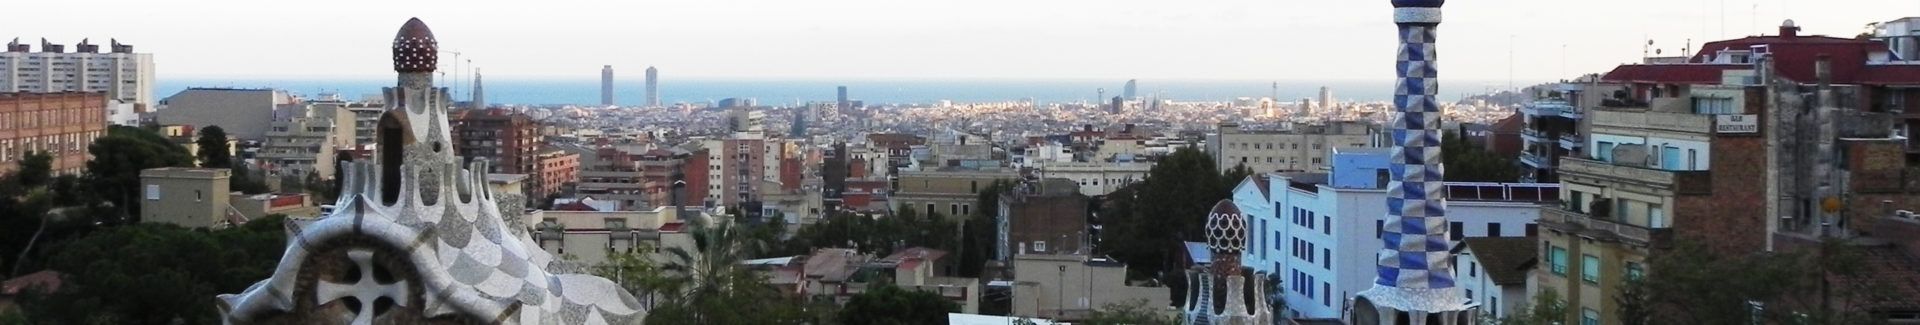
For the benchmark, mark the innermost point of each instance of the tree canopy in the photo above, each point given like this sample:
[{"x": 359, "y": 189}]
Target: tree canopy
[
  {"x": 118, "y": 159},
  {"x": 1467, "y": 162},
  {"x": 886, "y": 304},
  {"x": 1144, "y": 222},
  {"x": 213, "y": 148},
  {"x": 156, "y": 273}
]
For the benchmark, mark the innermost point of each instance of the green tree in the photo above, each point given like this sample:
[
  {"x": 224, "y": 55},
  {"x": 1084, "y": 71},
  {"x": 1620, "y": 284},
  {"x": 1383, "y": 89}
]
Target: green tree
[
  {"x": 1467, "y": 162},
  {"x": 213, "y": 148},
  {"x": 1547, "y": 308},
  {"x": 1134, "y": 312},
  {"x": 888, "y": 304},
  {"x": 247, "y": 181},
  {"x": 1233, "y": 176},
  {"x": 981, "y": 230},
  {"x": 156, "y": 273},
  {"x": 36, "y": 169},
  {"x": 643, "y": 278},
  {"x": 1143, "y": 223},
  {"x": 118, "y": 158},
  {"x": 714, "y": 289}
]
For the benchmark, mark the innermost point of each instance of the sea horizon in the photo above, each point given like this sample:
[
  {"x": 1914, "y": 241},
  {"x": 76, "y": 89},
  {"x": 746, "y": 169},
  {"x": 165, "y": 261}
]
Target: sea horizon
[{"x": 781, "y": 92}]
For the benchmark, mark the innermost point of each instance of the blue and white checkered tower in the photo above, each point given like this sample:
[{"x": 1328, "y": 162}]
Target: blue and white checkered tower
[{"x": 1414, "y": 279}]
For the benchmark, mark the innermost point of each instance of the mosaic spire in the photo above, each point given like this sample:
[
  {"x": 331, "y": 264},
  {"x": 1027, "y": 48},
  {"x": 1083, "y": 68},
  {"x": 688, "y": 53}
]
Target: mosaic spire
[{"x": 1414, "y": 281}]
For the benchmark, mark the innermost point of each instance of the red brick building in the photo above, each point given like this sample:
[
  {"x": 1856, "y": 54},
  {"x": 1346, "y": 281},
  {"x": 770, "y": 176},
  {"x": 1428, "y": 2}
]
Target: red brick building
[
  {"x": 61, "y": 124},
  {"x": 510, "y": 140}
]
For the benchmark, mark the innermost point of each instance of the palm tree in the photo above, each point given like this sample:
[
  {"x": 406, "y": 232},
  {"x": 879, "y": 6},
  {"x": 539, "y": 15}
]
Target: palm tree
[{"x": 709, "y": 277}]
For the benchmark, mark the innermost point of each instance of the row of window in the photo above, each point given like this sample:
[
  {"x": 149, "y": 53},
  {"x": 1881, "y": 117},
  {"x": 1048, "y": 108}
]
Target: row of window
[
  {"x": 1457, "y": 230},
  {"x": 1268, "y": 146},
  {"x": 1303, "y": 284}
]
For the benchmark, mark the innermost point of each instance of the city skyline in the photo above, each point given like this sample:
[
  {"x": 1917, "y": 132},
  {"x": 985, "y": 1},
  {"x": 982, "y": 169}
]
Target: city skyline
[{"x": 1229, "y": 40}]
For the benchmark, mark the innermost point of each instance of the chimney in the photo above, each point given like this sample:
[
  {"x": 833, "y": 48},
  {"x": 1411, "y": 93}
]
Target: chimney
[
  {"x": 1823, "y": 69},
  {"x": 1788, "y": 30}
]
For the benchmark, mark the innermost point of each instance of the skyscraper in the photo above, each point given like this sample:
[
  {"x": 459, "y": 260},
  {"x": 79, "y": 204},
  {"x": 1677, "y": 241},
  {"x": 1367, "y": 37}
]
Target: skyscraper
[
  {"x": 1326, "y": 98},
  {"x": 845, "y": 106},
  {"x": 653, "y": 87},
  {"x": 1132, "y": 88},
  {"x": 479, "y": 99},
  {"x": 1118, "y": 104},
  {"x": 606, "y": 85},
  {"x": 1413, "y": 282}
]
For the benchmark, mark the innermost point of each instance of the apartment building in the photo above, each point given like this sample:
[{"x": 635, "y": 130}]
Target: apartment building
[
  {"x": 951, "y": 192},
  {"x": 1096, "y": 178},
  {"x": 1307, "y": 148},
  {"x": 124, "y": 76},
  {"x": 62, "y": 124},
  {"x": 246, "y": 114},
  {"x": 307, "y": 143},
  {"x": 511, "y": 141}
]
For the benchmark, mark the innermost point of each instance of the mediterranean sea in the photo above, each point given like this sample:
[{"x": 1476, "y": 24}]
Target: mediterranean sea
[{"x": 629, "y": 92}]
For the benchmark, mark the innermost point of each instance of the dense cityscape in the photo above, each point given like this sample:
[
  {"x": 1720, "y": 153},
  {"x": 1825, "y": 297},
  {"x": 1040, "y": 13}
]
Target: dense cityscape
[{"x": 1763, "y": 179}]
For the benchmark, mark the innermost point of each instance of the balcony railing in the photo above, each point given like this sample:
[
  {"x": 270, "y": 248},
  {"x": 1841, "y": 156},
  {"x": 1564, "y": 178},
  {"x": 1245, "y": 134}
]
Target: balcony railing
[
  {"x": 1536, "y": 161},
  {"x": 1605, "y": 225},
  {"x": 1532, "y": 135},
  {"x": 1571, "y": 141}
]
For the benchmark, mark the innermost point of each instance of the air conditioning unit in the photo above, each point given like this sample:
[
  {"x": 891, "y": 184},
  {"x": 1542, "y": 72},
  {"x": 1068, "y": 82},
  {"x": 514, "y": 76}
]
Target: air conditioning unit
[{"x": 1905, "y": 214}]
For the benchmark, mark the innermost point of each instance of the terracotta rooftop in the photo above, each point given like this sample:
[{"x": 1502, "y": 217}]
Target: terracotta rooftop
[{"x": 47, "y": 281}]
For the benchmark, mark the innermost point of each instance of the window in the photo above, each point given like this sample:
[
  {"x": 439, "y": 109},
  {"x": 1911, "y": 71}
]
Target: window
[
  {"x": 153, "y": 192},
  {"x": 1326, "y": 223},
  {"x": 1326, "y": 260},
  {"x": 1590, "y": 269},
  {"x": 1473, "y": 270},
  {"x": 1589, "y": 316},
  {"x": 1634, "y": 270},
  {"x": 1713, "y": 105},
  {"x": 1656, "y": 216},
  {"x": 1533, "y": 230},
  {"x": 1378, "y": 228},
  {"x": 1557, "y": 257},
  {"x": 1603, "y": 152},
  {"x": 1493, "y": 229},
  {"x": 1325, "y": 298},
  {"x": 1263, "y": 244},
  {"x": 1040, "y": 246},
  {"x": 1576, "y": 202},
  {"x": 1456, "y": 230}
]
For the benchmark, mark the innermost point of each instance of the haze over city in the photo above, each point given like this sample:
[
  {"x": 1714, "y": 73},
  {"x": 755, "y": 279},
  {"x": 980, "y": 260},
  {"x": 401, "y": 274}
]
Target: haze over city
[{"x": 940, "y": 40}]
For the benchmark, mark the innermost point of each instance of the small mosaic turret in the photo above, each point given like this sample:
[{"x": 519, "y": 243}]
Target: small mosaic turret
[{"x": 1219, "y": 294}]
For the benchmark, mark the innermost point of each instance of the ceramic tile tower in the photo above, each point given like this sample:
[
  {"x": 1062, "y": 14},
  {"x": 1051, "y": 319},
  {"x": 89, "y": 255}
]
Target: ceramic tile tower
[
  {"x": 1414, "y": 279},
  {"x": 418, "y": 239}
]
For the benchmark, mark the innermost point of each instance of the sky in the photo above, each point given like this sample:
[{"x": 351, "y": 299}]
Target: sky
[{"x": 1527, "y": 40}]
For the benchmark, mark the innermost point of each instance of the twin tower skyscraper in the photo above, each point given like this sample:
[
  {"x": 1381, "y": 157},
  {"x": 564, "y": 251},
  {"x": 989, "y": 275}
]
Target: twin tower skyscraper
[{"x": 606, "y": 86}]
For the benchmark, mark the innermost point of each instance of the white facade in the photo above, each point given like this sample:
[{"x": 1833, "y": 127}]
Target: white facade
[
  {"x": 1494, "y": 299},
  {"x": 1321, "y": 241},
  {"x": 123, "y": 75},
  {"x": 1096, "y": 178},
  {"x": 1307, "y": 149}
]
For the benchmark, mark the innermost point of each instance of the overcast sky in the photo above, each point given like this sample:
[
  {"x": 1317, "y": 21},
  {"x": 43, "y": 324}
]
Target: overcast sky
[{"x": 917, "y": 39}]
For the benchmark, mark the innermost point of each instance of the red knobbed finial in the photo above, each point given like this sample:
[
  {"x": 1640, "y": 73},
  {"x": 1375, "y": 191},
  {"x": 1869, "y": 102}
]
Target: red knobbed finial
[{"x": 414, "y": 49}]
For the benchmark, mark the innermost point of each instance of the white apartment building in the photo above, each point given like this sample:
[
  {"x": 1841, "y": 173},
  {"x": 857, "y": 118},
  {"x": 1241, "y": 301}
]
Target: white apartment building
[
  {"x": 125, "y": 76},
  {"x": 306, "y": 143},
  {"x": 1320, "y": 232},
  {"x": 1307, "y": 148},
  {"x": 1096, "y": 178}
]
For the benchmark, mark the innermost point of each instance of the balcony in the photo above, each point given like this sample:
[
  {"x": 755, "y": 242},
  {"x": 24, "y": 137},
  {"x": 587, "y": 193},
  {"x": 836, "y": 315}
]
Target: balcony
[
  {"x": 1547, "y": 108},
  {"x": 1532, "y": 135},
  {"x": 1536, "y": 161},
  {"x": 1602, "y": 227},
  {"x": 1571, "y": 141}
]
